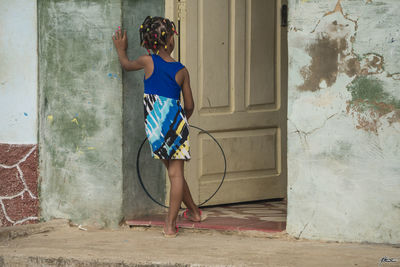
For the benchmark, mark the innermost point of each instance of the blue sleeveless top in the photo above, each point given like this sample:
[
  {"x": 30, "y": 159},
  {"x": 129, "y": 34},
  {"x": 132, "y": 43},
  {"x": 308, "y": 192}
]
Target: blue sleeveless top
[{"x": 162, "y": 80}]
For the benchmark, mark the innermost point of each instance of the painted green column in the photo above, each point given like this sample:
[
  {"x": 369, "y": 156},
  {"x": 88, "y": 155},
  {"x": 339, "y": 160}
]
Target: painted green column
[
  {"x": 80, "y": 112},
  {"x": 91, "y": 120}
]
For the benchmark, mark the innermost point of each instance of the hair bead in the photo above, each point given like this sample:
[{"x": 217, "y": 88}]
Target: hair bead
[
  {"x": 158, "y": 51},
  {"x": 141, "y": 26},
  {"x": 165, "y": 46}
]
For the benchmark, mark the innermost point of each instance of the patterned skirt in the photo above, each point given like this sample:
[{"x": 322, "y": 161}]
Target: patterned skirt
[{"x": 167, "y": 128}]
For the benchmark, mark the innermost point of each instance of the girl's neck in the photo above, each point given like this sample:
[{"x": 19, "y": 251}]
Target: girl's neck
[{"x": 164, "y": 54}]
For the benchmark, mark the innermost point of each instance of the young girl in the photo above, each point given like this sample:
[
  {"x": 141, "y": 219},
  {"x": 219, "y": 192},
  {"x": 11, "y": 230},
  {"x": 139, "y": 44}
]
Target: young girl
[{"x": 166, "y": 122}]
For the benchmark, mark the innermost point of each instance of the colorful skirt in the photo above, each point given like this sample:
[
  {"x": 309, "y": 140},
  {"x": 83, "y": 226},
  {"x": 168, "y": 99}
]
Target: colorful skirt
[{"x": 167, "y": 128}]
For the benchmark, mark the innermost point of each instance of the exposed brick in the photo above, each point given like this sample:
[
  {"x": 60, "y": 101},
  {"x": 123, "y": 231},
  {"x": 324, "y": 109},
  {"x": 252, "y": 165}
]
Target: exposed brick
[
  {"x": 21, "y": 207},
  {"x": 11, "y": 154},
  {"x": 3, "y": 220},
  {"x": 10, "y": 183},
  {"x": 30, "y": 171}
]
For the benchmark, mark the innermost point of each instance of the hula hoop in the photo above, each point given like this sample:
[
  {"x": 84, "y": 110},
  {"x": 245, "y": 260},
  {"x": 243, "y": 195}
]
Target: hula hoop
[{"x": 149, "y": 195}]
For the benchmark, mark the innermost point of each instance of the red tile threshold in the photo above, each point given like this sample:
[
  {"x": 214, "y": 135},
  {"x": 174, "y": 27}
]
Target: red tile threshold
[{"x": 264, "y": 216}]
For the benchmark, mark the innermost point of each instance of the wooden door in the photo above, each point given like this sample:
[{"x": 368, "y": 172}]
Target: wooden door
[{"x": 236, "y": 54}]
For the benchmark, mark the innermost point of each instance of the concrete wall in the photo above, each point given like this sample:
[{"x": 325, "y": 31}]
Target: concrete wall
[
  {"x": 18, "y": 113},
  {"x": 136, "y": 202},
  {"x": 80, "y": 116},
  {"x": 344, "y": 120}
]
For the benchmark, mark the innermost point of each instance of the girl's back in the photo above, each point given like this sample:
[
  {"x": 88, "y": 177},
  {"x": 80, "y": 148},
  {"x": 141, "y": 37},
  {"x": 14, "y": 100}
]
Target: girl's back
[
  {"x": 162, "y": 80},
  {"x": 165, "y": 120}
]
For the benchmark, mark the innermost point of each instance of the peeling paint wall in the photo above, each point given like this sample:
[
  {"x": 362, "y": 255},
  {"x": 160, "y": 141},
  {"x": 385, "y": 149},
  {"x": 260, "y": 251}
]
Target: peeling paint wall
[
  {"x": 344, "y": 120},
  {"x": 80, "y": 116}
]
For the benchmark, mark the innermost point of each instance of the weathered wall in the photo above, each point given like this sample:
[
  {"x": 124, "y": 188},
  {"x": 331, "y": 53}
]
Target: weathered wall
[
  {"x": 18, "y": 113},
  {"x": 344, "y": 120},
  {"x": 136, "y": 202},
  {"x": 80, "y": 116}
]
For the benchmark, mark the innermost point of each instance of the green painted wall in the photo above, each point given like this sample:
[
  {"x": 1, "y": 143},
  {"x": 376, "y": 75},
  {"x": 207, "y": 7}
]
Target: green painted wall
[
  {"x": 80, "y": 112},
  {"x": 91, "y": 119},
  {"x": 136, "y": 202}
]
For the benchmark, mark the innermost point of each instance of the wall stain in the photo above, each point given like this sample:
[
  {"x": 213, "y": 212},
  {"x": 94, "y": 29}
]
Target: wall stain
[
  {"x": 370, "y": 102},
  {"x": 329, "y": 54},
  {"x": 394, "y": 76},
  {"x": 372, "y": 64},
  {"x": 332, "y": 53},
  {"x": 352, "y": 67},
  {"x": 324, "y": 63}
]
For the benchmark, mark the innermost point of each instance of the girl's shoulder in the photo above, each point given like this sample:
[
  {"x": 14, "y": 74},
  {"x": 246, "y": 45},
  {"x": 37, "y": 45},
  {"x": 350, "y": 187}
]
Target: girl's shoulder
[{"x": 145, "y": 59}]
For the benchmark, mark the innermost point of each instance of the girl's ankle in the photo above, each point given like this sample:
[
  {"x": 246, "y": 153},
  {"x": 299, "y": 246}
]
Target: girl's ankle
[
  {"x": 172, "y": 224},
  {"x": 195, "y": 211}
]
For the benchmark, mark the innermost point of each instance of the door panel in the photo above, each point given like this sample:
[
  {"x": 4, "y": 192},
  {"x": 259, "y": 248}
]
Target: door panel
[
  {"x": 213, "y": 55},
  {"x": 233, "y": 51},
  {"x": 236, "y": 144}
]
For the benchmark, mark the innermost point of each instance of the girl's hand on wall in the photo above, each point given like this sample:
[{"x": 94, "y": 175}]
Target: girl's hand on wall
[{"x": 120, "y": 40}]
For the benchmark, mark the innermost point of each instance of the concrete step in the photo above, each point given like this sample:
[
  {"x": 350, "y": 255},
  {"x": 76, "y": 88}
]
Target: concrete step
[
  {"x": 36, "y": 261},
  {"x": 68, "y": 245}
]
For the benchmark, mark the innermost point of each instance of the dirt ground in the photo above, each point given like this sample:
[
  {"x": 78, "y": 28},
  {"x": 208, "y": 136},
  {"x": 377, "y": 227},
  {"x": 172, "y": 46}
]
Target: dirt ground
[{"x": 70, "y": 246}]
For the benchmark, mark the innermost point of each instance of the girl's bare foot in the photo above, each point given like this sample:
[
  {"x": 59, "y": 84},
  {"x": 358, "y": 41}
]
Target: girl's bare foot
[
  {"x": 193, "y": 215},
  {"x": 169, "y": 229}
]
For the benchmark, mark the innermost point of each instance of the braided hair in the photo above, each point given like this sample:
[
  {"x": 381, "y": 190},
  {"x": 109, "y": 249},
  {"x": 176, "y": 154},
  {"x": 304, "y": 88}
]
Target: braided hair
[{"x": 154, "y": 33}]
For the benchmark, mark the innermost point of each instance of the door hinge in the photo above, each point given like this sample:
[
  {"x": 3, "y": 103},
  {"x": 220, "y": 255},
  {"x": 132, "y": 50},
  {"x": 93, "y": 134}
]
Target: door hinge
[
  {"x": 284, "y": 15},
  {"x": 181, "y": 6}
]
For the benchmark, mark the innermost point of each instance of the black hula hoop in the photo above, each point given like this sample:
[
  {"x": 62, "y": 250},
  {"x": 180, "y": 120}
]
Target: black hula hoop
[{"x": 140, "y": 178}]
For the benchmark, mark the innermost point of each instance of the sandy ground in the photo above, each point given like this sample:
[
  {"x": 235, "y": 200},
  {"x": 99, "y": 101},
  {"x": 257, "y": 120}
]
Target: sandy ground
[{"x": 71, "y": 246}]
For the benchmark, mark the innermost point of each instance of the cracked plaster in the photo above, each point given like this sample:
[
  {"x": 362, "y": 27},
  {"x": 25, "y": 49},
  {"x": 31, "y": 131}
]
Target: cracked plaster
[{"x": 343, "y": 161}]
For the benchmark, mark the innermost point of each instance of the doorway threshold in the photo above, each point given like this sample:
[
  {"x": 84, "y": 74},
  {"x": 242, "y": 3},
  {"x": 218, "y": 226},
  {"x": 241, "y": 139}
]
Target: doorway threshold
[{"x": 263, "y": 215}]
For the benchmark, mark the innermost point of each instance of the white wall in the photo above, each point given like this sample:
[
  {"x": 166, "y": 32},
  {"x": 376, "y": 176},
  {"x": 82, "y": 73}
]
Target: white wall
[
  {"x": 344, "y": 120},
  {"x": 18, "y": 72}
]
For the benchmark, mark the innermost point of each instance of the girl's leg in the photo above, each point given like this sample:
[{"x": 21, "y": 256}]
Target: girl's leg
[
  {"x": 175, "y": 173},
  {"x": 194, "y": 213},
  {"x": 166, "y": 163}
]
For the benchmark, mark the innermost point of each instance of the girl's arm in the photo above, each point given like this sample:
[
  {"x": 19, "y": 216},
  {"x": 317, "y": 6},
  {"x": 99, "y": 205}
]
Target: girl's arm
[
  {"x": 130, "y": 65},
  {"x": 187, "y": 95},
  {"x": 121, "y": 44}
]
